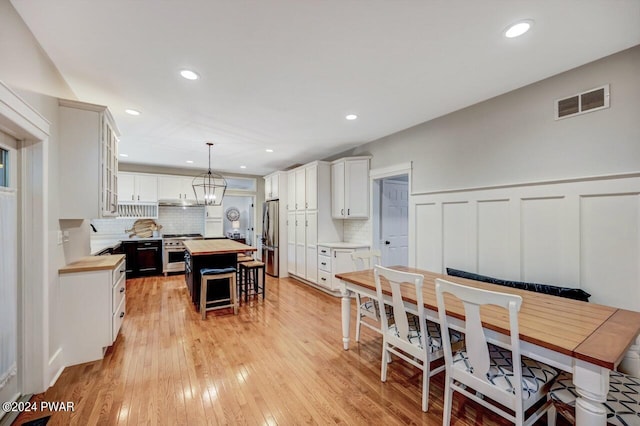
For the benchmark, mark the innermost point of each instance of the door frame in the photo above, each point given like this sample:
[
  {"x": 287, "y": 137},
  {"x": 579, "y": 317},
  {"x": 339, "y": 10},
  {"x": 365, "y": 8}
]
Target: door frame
[
  {"x": 31, "y": 129},
  {"x": 375, "y": 179}
]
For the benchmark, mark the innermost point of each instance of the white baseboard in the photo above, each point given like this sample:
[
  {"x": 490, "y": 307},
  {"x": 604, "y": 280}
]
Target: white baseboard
[{"x": 56, "y": 367}]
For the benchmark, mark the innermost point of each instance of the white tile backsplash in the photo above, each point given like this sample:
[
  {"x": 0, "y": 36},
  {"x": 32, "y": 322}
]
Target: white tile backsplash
[
  {"x": 174, "y": 220},
  {"x": 357, "y": 231},
  {"x": 181, "y": 220}
]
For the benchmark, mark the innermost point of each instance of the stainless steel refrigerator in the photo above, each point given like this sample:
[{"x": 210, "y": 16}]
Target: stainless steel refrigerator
[{"x": 270, "y": 232}]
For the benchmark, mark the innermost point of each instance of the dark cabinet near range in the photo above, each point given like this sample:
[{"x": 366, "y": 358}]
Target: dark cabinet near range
[{"x": 143, "y": 258}]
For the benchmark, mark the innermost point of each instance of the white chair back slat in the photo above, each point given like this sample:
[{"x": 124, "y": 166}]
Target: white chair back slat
[{"x": 476, "y": 341}]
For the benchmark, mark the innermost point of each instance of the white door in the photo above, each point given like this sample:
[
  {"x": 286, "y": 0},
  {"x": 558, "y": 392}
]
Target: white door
[
  {"x": 394, "y": 222},
  {"x": 300, "y": 189},
  {"x": 9, "y": 389}
]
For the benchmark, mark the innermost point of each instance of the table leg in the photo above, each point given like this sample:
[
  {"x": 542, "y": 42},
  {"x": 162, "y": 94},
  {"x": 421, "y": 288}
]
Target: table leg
[
  {"x": 346, "y": 315},
  {"x": 592, "y": 385}
]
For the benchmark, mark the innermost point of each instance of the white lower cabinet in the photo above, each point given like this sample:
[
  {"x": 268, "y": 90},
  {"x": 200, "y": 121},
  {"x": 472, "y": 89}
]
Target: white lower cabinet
[
  {"x": 335, "y": 260},
  {"x": 92, "y": 309}
]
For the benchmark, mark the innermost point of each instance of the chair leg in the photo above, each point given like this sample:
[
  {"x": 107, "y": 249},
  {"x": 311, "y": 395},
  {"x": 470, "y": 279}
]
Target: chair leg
[
  {"x": 425, "y": 387},
  {"x": 448, "y": 397},
  {"x": 264, "y": 283},
  {"x": 551, "y": 415},
  {"x": 358, "y": 317},
  {"x": 383, "y": 372}
]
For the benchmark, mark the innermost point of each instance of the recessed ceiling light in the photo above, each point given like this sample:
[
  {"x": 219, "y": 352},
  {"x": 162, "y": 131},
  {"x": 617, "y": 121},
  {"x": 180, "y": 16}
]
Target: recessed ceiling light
[
  {"x": 269, "y": 150},
  {"x": 132, "y": 112},
  {"x": 124, "y": 155},
  {"x": 189, "y": 75},
  {"x": 189, "y": 161},
  {"x": 518, "y": 28},
  {"x": 243, "y": 167},
  {"x": 351, "y": 117}
]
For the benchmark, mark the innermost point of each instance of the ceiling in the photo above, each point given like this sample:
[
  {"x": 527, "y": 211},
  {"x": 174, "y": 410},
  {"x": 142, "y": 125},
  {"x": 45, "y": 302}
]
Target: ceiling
[{"x": 282, "y": 74}]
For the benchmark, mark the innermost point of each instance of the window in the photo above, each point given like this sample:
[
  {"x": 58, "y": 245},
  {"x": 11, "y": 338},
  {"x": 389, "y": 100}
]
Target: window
[
  {"x": 241, "y": 184},
  {"x": 4, "y": 167}
]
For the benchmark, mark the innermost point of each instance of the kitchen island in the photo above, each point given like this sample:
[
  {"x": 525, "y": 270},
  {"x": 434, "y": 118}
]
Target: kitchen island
[{"x": 217, "y": 253}]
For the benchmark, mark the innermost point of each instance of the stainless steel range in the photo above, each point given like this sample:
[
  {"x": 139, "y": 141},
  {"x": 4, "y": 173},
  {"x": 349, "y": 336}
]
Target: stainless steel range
[{"x": 173, "y": 251}]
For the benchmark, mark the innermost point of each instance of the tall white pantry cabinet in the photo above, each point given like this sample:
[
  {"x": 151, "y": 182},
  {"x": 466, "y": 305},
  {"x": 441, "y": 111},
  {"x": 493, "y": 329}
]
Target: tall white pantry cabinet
[{"x": 308, "y": 216}]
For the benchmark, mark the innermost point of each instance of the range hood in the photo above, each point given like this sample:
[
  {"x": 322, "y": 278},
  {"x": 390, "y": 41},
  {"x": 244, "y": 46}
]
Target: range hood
[{"x": 178, "y": 203}]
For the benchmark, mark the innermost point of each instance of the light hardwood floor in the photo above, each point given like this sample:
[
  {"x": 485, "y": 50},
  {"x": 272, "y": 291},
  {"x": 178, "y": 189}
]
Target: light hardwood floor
[{"x": 279, "y": 362}]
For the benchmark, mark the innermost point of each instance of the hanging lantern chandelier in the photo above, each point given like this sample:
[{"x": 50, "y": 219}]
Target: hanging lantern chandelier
[{"x": 209, "y": 187}]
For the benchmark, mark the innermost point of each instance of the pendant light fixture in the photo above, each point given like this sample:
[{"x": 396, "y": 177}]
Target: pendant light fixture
[{"x": 209, "y": 187}]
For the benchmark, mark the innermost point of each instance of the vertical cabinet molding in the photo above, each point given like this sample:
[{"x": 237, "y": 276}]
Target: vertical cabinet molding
[
  {"x": 88, "y": 161},
  {"x": 350, "y": 188}
]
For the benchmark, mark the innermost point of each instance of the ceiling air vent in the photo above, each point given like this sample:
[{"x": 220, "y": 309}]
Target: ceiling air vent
[{"x": 591, "y": 100}]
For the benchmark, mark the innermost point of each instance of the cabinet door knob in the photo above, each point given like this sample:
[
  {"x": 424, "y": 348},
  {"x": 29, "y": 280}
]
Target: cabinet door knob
[
  {"x": 341, "y": 212},
  {"x": 348, "y": 212},
  {"x": 121, "y": 314},
  {"x": 121, "y": 289}
]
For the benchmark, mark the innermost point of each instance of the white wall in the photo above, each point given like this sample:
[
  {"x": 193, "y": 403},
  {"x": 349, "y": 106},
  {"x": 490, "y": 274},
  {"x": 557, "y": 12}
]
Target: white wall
[
  {"x": 514, "y": 138},
  {"x": 26, "y": 69}
]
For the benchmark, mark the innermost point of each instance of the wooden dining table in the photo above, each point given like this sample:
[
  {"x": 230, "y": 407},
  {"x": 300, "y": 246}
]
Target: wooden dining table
[{"x": 585, "y": 339}]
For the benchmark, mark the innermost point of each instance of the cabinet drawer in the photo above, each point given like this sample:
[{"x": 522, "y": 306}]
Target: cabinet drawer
[
  {"x": 324, "y": 279},
  {"x": 324, "y": 263},
  {"x": 324, "y": 251},
  {"x": 118, "y": 318},
  {"x": 118, "y": 272},
  {"x": 118, "y": 293}
]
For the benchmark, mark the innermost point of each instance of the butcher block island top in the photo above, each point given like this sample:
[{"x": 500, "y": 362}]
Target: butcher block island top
[
  {"x": 92, "y": 263},
  {"x": 220, "y": 246}
]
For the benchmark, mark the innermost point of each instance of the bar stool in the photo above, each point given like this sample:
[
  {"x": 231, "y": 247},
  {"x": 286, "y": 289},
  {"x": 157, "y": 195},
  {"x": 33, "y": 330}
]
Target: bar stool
[
  {"x": 242, "y": 257},
  {"x": 249, "y": 275},
  {"x": 213, "y": 274}
]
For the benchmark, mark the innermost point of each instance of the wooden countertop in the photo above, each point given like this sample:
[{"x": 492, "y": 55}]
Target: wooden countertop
[
  {"x": 92, "y": 263},
  {"x": 221, "y": 246}
]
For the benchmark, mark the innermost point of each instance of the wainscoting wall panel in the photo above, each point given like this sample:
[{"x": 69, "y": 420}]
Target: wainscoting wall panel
[{"x": 583, "y": 233}]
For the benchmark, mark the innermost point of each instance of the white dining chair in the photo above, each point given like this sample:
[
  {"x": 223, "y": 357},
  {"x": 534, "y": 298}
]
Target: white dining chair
[
  {"x": 367, "y": 307},
  {"x": 499, "y": 373},
  {"x": 406, "y": 337},
  {"x": 622, "y": 406}
]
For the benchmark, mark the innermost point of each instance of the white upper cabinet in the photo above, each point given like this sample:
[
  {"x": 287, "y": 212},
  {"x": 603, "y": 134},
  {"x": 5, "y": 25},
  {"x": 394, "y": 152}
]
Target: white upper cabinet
[
  {"x": 175, "y": 188},
  {"x": 350, "y": 188},
  {"x": 134, "y": 187},
  {"x": 291, "y": 191},
  {"x": 88, "y": 161},
  {"x": 272, "y": 185},
  {"x": 311, "y": 187}
]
